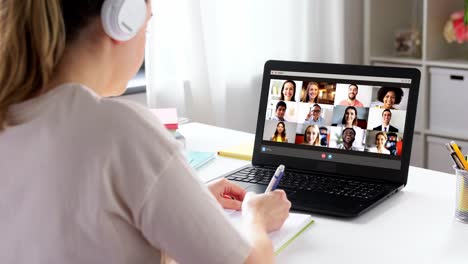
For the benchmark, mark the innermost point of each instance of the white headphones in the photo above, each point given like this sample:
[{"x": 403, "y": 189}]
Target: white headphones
[{"x": 122, "y": 19}]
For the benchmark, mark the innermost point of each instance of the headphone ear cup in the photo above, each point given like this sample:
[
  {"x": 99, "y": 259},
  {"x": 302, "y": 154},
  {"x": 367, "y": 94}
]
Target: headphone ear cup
[{"x": 122, "y": 19}]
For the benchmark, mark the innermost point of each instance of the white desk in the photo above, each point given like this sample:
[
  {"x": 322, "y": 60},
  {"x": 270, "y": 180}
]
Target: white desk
[{"x": 416, "y": 225}]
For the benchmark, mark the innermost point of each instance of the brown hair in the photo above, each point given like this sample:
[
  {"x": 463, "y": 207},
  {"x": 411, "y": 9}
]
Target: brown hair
[{"x": 32, "y": 41}]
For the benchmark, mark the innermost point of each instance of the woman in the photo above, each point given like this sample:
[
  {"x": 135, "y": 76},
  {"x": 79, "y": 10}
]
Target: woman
[
  {"x": 94, "y": 180},
  {"x": 288, "y": 91},
  {"x": 349, "y": 117},
  {"x": 280, "y": 133},
  {"x": 312, "y": 91},
  {"x": 389, "y": 97},
  {"x": 380, "y": 140},
  {"x": 312, "y": 135}
]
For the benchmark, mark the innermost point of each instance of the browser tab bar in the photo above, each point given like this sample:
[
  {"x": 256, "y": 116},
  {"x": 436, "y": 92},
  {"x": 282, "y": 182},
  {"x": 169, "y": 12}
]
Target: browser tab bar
[{"x": 342, "y": 76}]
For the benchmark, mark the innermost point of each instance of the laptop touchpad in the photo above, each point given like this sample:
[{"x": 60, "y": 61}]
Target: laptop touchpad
[{"x": 256, "y": 188}]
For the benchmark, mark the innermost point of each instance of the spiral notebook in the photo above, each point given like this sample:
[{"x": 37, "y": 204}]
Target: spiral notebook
[{"x": 295, "y": 225}]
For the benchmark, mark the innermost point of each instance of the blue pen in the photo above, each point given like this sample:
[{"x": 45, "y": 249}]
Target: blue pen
[{"x": 275, "y": 179}]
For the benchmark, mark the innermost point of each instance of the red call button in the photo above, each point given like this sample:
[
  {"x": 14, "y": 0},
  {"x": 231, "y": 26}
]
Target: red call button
[{"x": 324, "y": 155}]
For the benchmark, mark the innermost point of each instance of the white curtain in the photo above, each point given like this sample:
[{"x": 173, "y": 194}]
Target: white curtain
[{"x": 206, "y": 57}]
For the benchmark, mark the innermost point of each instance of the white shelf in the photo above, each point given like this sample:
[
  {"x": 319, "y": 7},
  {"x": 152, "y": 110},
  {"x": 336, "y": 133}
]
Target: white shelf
[
  {"x": 399, "y": 60},
  {"x": 453, "y": 63},
  {"x": 447, "y": 134},
  {"x": 382, "y": 19}
]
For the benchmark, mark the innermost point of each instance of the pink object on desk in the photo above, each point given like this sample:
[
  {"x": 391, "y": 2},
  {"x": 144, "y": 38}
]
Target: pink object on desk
[{"x": 167, "y": 116}]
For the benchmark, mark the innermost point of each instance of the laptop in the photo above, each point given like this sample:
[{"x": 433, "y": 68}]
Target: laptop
[{"x": 343, "y": 132}]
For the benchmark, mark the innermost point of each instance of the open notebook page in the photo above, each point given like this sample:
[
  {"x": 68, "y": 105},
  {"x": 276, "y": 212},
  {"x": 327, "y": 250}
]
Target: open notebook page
[{"x": 295, "y": 225}]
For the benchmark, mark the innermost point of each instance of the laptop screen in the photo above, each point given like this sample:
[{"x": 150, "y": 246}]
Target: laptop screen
[{"x": 350, "y": 119}]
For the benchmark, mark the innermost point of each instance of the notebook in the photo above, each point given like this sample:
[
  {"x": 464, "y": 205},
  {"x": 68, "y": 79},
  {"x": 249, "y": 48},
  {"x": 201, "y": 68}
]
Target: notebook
[
  {"x": 326, "y": 123},
  {"x": 198, "y": 159},
  {"x": 241, "y": 151},
  {"x": 167, "y": 116},
  {"x": 293, "y": 227}
]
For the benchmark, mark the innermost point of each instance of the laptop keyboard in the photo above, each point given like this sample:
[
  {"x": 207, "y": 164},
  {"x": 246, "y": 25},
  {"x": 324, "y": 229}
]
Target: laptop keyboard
[{"x": 307, "y": 182}]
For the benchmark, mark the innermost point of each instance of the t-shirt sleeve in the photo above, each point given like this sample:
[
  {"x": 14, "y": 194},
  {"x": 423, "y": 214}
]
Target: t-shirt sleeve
[
  {"x": 154, "y": 188},
  {"x": 180, "y": 216}
]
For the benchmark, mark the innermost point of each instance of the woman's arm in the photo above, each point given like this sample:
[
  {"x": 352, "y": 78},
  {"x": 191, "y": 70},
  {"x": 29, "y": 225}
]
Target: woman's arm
[
  {"x": 262, "y": 249},
  {"x": 262, "y": 214},
  {"x": 231, "y": 196}
]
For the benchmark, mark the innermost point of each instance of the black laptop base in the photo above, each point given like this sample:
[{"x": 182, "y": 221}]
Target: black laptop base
[{"x": 319, "y": 193}]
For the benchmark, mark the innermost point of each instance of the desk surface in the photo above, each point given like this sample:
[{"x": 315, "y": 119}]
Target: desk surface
[{"x": 416, "y": 225}]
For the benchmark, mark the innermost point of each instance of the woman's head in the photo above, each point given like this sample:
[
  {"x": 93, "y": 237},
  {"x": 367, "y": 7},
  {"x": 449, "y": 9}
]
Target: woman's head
[
  {"x": 389, "y": 96},
  {"x": 288, "y": 91},
  {"x": 380, "y": 139},
  {"x": 349, "y": 116},
  {"x": 280, "y": 127},
  {"x": 312, "y": 135},
  {"x": 37, "y": 35},
  {"x": 312, "y": 92},
  {"x": 280, "y": 130}
]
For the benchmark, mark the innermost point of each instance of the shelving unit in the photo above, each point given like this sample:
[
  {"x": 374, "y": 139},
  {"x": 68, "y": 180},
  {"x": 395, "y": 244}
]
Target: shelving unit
[{"x": 382, "y": 18}]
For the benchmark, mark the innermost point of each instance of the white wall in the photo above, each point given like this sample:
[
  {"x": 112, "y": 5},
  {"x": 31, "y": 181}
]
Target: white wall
[{"x": 354, "y": 31}]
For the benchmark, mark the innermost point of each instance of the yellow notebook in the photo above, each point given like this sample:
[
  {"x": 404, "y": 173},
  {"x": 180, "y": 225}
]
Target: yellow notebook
[
  {"x": 242, "y": 151},
  {"x": 294, "y": 226}
]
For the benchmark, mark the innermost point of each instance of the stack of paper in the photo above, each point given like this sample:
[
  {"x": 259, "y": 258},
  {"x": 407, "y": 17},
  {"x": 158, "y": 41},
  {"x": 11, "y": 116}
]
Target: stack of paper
[{"x": 167, "y": 116}]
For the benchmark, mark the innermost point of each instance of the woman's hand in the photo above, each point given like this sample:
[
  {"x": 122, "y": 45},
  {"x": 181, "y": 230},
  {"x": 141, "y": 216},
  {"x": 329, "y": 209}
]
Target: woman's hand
[
  {"x": 227, "y": 193},
  {"x": 269, "y": 210}
]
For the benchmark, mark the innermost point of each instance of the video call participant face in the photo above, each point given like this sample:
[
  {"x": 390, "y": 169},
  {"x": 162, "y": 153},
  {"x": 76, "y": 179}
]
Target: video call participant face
[
  {"x": 280, "y": 110},
  {"x": 316, "y": 110},
  {"x": 386, "y": 117},
  {"x": 312, "y": 90},
  {"x": 280, "y": 128},
  {"x": 350, "y": 117},
  {"x": 389, "y": 100},
  {"x": 348, "y": 136},
  {"x": 323, "y": 131},
  {"x": 311, "y": 135},
  {"x": 380, "y": 140},
  {"x": 288, "y": 91},
  {"x": 390, "y": 96},
  {"x": 352, "y": 91}
]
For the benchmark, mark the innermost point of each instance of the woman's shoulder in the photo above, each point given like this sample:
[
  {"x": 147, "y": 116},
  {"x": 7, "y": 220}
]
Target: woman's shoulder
[
  {"x": 131, "y": 117},
  {"x": 113, "y": 118},
  {"x": 372, "y": 149},
  {"x": 376, "y": 104}
]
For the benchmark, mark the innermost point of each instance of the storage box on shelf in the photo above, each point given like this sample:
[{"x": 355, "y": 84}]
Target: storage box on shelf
[{"x": 448, "y": 100}]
